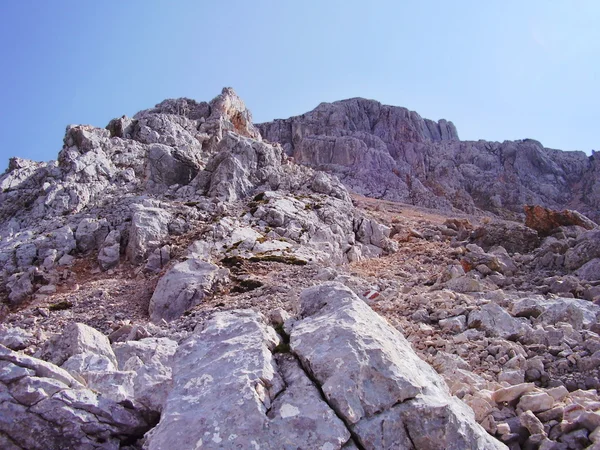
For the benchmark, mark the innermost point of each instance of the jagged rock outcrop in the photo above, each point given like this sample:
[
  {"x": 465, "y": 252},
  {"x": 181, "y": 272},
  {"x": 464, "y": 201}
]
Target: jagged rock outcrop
[
  {"x": 389, "y": 152},
  {"x": 130, "y": 189},
  {"x": 43, "y": 407},
  {"x": 145, "y": 260}
]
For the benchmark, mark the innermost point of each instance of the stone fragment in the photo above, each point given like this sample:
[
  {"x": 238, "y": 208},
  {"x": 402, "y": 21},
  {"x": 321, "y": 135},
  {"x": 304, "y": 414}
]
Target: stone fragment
[
  {"x": 545, "y": 220},
  {"x": 536, "y": 402}
]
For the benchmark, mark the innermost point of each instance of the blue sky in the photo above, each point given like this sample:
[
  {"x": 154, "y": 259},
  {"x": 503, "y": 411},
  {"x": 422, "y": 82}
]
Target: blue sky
[{"x": 498, "y": 69}]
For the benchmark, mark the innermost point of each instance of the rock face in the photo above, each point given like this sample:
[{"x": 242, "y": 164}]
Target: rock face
[
  {"x": 230, "y": 362},
  {"x": 392, "y": 153},
  {"x": 373, "y": 379},
  {"x": 142, "y": 264}
]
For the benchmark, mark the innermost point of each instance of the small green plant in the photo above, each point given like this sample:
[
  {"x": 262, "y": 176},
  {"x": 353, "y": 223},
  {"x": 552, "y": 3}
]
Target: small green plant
[{"x": 60, "y": 306}]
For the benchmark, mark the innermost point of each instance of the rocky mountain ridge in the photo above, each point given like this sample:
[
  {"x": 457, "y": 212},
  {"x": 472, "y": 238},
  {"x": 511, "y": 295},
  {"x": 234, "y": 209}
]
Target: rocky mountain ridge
[
  {"x": 392, "y": 153},
  {"x": 175, "y": 279}
]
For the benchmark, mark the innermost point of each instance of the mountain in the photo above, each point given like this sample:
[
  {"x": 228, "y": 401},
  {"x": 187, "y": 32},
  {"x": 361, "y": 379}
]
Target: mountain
[
  {"x": 179, "y": 280},
  {"x": 392, "y": 153}
]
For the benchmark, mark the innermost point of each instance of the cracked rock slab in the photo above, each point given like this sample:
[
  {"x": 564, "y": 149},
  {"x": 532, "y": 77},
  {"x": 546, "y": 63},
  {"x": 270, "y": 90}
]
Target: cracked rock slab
[
  {"x": 370, "y": 375},
  {"x": 229, "y": 391}
]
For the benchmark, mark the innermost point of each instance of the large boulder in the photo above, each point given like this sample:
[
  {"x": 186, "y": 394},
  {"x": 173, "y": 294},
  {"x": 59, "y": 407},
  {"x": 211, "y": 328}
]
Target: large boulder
[
  {"x": 514, "y": 237},
  {"x": 43, "y": 407},
  {"x": 151, "y": 360},
  {"x": 545, "y": 220},
  {"x": 229, "y": 391},
  {"x": 496, "y": 322},
  {"x": 587, "y": 247},
  {"x": 373, "y": 379},
  {"x": 149, "y": 226},
  {"x": 183, "y": 287}
]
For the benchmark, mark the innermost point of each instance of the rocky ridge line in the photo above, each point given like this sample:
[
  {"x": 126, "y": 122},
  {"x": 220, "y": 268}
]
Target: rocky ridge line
[{"x": 391, "y": 153}]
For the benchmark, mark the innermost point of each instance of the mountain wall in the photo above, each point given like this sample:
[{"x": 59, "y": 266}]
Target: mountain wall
[{"x": 392, "y": 153}]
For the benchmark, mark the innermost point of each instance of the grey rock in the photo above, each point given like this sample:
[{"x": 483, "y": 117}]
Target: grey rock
[
  {"x": 151, "y": 359},
  {"x": 77, "y": 338},
  {"x": 149, "y": 226},
  {"x": 110, "y": 253},
  {"x": 90, "y": 234},
  {"x": 389, "y": 152},
  {"x": 587, "y": 248},
  {"x": 590, "y": 271},
  {"x": 15, "y": 338},
  {"x": 19, "y": 287},
  {"x": 495, "y": 321},
  {"x": 183, "y": 287},
  {"x": 43, "y": 407},
  {"x": 229, "y": 362},
  {"x": 345, "y": 346},
  {"x": 579, "y": 313}
]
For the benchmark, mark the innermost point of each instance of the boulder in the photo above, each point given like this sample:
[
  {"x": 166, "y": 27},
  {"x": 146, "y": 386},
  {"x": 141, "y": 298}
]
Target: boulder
[
  {"x": 514, "y": 237},
  {"x": 77, "y": 338},
  {"x": 151, "y": 359},
  {"x": 545, "y": 220},
  {"x": 90, "y": 234},
  {"x": 495, "y": 321},
  {"x": 373, "y": 379},
  {"x": 590, "y": 271},
  {"x": 587, "y": 247},
  {"x": 110, "y": 253},
  {"x": 149, "y": 226},
  {"x": 579, "y": 313},
  {"x": 43, "y": 407},
  {"x": 183, "y": 287},
  {"x": 230, "y": 362}
]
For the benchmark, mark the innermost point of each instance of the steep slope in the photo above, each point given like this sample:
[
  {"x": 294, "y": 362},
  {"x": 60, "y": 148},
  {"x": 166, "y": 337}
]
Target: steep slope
[
  {"x": 392, "y": 153},
  {"x": 176, "y": 280}
]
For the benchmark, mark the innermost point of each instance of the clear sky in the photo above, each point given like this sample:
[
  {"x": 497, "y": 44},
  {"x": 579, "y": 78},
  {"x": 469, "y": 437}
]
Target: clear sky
[{"x": 499, "y": 69}]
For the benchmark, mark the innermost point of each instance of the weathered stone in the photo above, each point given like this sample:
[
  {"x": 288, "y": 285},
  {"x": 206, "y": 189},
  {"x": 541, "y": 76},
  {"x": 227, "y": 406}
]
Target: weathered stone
[
  {"x": 495, "y": 321},
  {"x": 14, "y": 338},
  {"x": 545, "y": 220},
  {"x": 148, "y": 228},
  {"x": 229, "y": 363},
  {"x": 511, "y": 393},
  {"x": 47, "y": 408},
  {"x": 531, "y": 422},
  {"x": 77, "y": 338},
  {"x": 346, "y": 346},
  {"x": 183, "y": 287},
  {"x": 151, "y": 359},
  {"x": 536, "y": 402}
]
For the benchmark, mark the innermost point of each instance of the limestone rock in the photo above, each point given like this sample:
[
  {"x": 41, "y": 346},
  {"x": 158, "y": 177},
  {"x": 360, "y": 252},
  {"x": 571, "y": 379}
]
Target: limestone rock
[
  {"x": 183, "y": 287},
  {"x": 346, "y": 346},
  {"x": 392, "y": 153},
  {"x": 149, "y": 225},
  {"x": 77, "y": 338},
  {"x": 151, "y": 359},
  {"x": 43, "y": 407},
  {"x": 495, "y": 321},
  {"x": 229, "y": 362}
]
